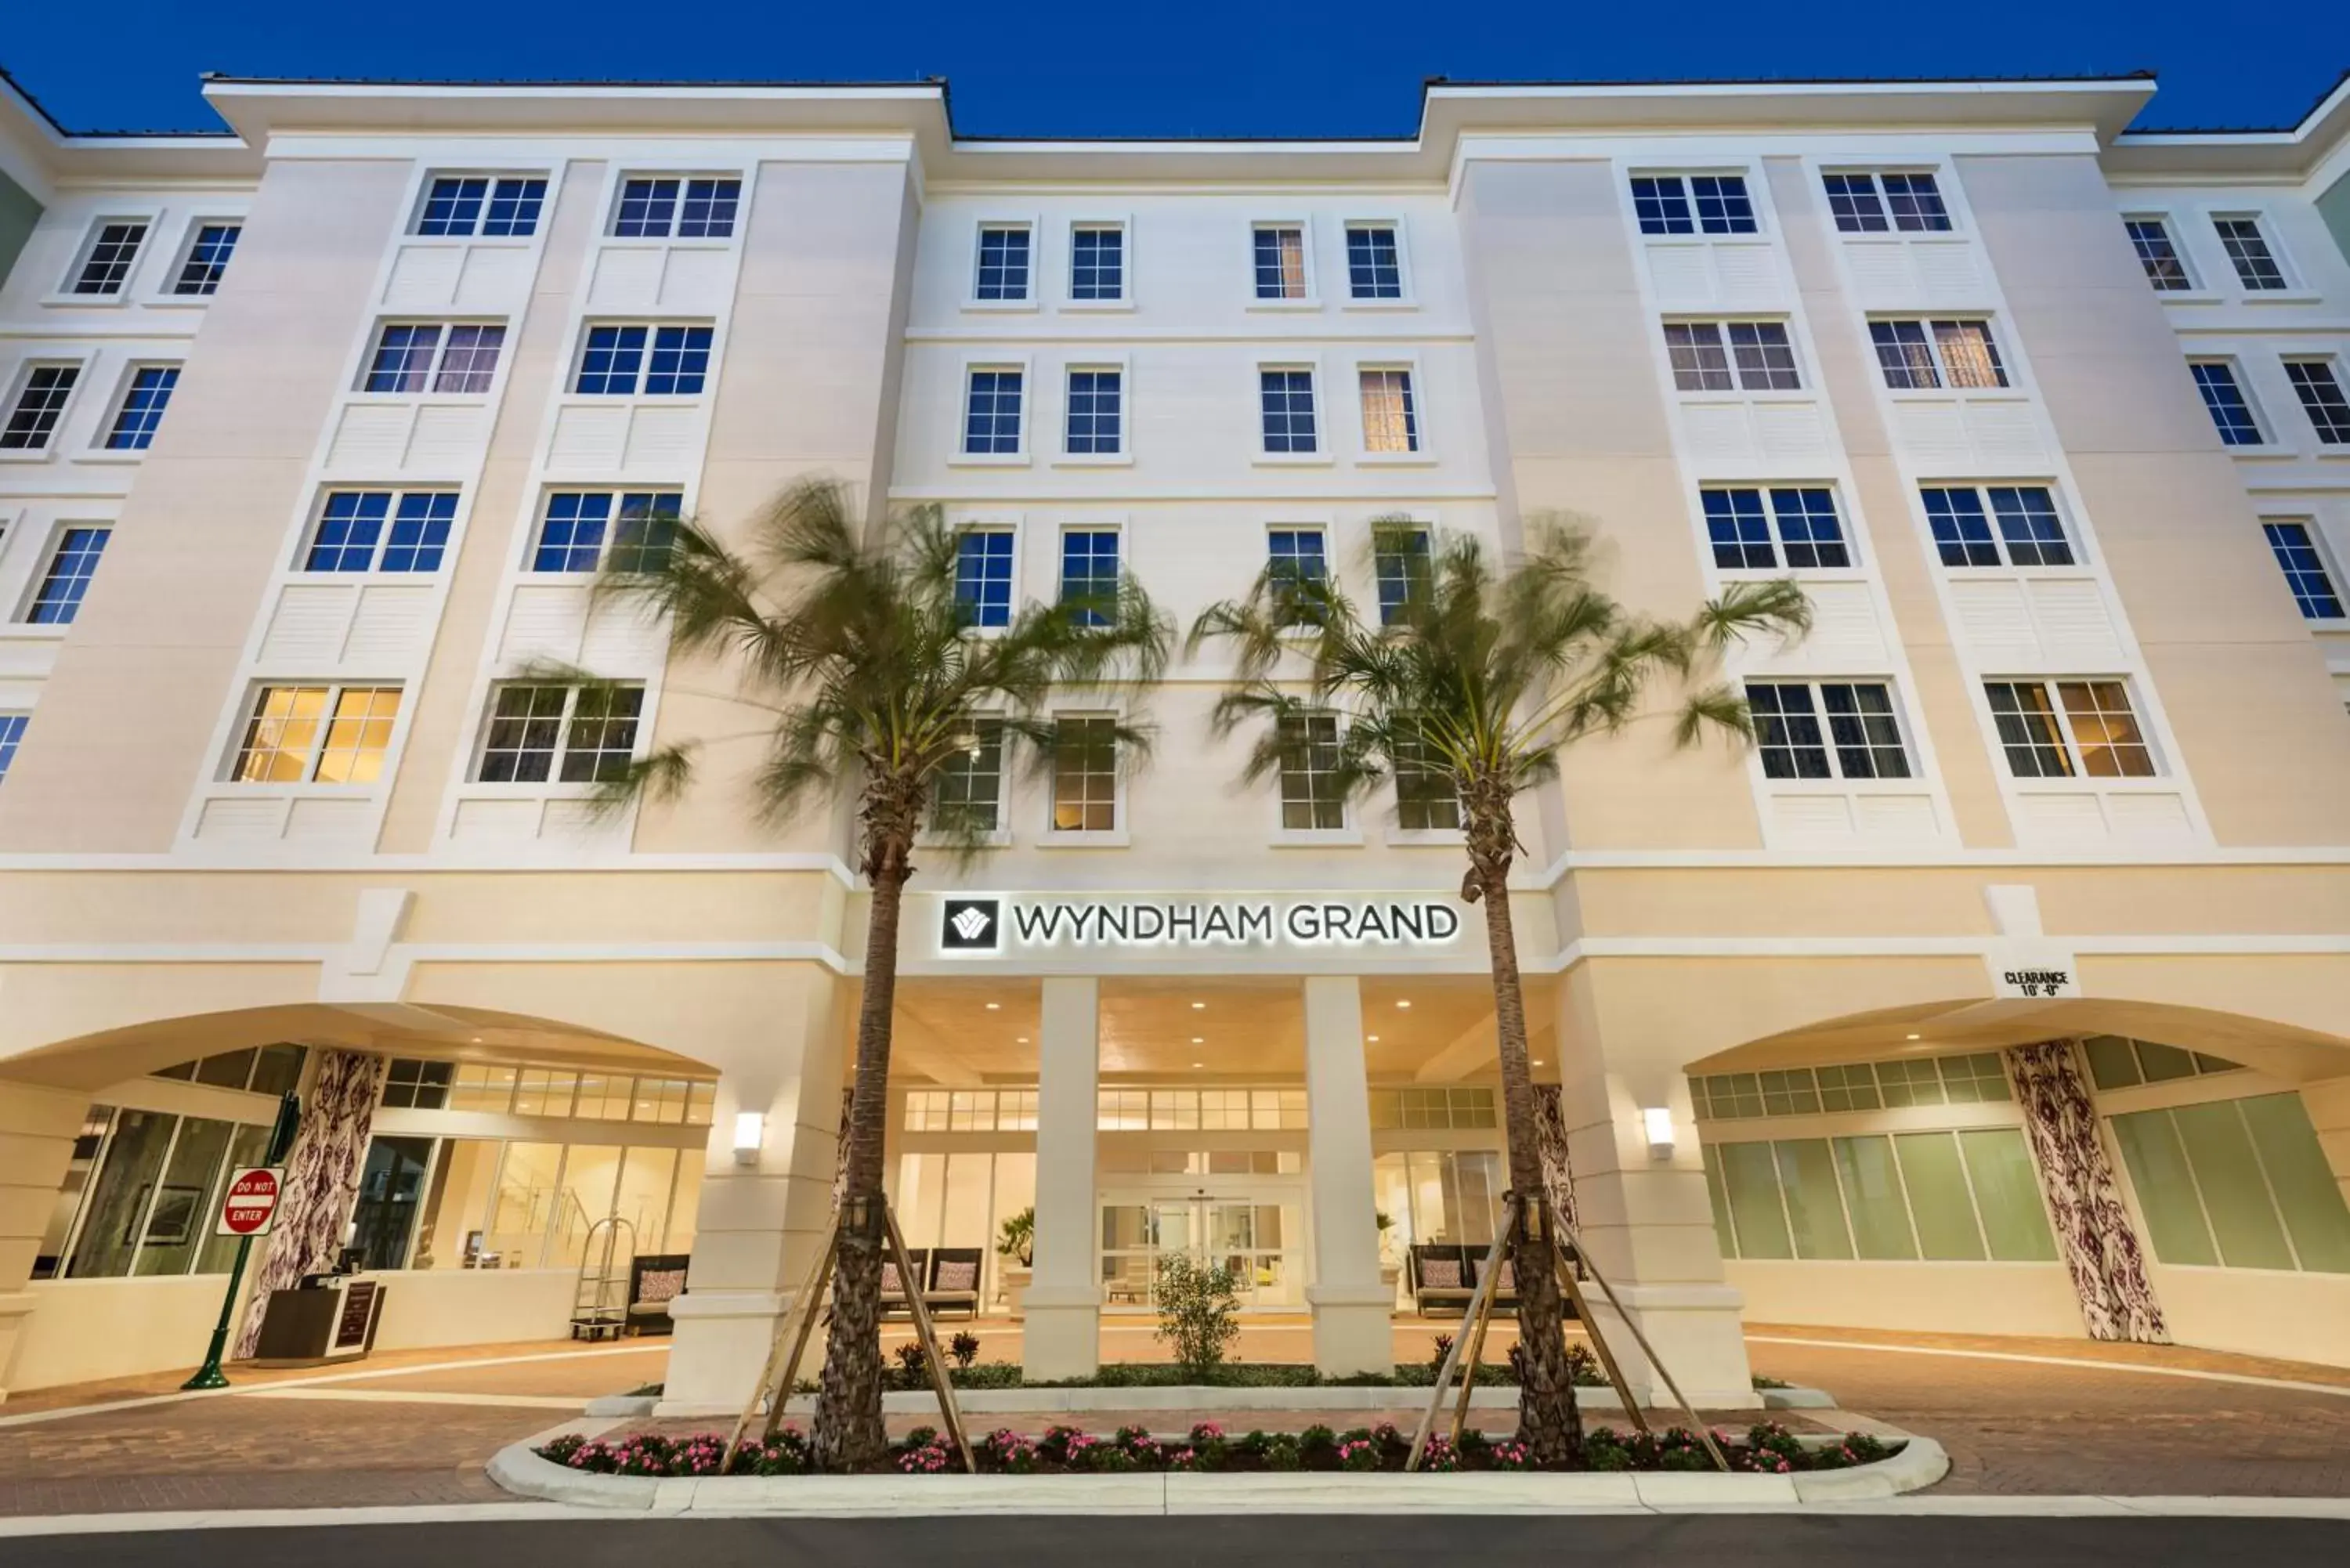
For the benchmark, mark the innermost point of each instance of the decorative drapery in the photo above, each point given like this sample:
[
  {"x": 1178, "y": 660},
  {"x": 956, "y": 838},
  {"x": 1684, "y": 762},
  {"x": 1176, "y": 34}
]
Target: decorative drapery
[
  {"x": 322, "y": 1180},
  {"x": 2094, "y": 1232},
  {"x": 1549, "y": 1147}
]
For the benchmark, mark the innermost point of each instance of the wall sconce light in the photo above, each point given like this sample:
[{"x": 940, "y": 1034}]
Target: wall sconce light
[
  {"x": 750, "y": 1135},
  {"x": 1658, "y": 1123}
]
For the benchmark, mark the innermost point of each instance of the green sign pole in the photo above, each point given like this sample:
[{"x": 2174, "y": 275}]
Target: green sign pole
[{"x": 281, "y": 1140}]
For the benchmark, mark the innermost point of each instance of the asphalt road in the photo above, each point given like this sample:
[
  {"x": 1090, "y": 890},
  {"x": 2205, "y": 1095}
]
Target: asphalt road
[{"x": 1749, "y": 1540}]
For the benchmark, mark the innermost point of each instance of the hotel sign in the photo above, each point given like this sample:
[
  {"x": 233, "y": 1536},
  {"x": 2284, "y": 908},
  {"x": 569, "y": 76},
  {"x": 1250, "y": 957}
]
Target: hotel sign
[{"x": 983, "y": 925}]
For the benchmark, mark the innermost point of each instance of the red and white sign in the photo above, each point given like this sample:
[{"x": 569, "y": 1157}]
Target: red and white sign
[{"x": 252, "y": 1200}]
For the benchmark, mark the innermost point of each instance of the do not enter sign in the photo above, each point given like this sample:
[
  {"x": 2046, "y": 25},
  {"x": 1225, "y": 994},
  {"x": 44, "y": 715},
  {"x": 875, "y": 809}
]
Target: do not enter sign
[{"x": 252, "y": 1200}]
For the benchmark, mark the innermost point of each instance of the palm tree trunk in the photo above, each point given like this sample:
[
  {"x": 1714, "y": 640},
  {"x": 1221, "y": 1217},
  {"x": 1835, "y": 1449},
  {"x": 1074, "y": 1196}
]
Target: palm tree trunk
[
  {"x": 1548, "y": 1421},
  {"x": 847, "y": 1434}
]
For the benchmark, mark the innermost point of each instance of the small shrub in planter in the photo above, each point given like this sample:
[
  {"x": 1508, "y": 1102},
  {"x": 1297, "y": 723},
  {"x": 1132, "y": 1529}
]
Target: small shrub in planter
[
  {"x": 1209, "y": 1448},
  {"x": 1317, "y": 1445},
  {"x": 1282, "y": 1453},
  {"x": 1199, "y": 1311},
  {"x": 1360, "y": 1454},
  {"x": 1007, "y": 1452},
  {"x": 964, "y": 1349},
  {"x": 913, "y": 1365}
]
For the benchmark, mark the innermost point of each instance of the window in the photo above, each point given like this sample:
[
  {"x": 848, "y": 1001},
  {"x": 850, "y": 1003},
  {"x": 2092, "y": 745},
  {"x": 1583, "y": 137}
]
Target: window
[
  {"x": 1962, "y": 1196},
  {"x": 12, "y": 735},
  {"x": 464, "y": 205},
  {"x": 991, "y": 420},
  {"x": 1374, "y": 264},
  {"x": 1003, "y": 263},
  {"x": 2320, "y": 392},
  {"x": 1400, "y": 563},
  {"x": 39, "y": 403},
  {"x": 1921, "y": 356},
  {"x": 2248, "y": 248},
  {"x": 2223, "y": 396},
  {"x": 676, "y": 208},
  {"x": 579, "y": 534},
  {"x": 411, "y": 526},
  {"x": 2085, "y": 728},
  {"x": 2030, "y": 533},
  {"x": 572, "y": 734},
  {"x": 415, "y": 356},
  {"x": 2150, "y": 237},
  {"x": 1699, "y": 203},
  {"x": 1090, "y": 572},
  {"x": 1096, "y": 262},
  {"x": 412, "y": 1085},
  {"x": 316, "y": 734},
  {"x": 207, "y": 258},
  {"x": 2304, "y": 569},
  {"x": 142, "y": 408},
  {"x": 1084, "y": 775},
  {"x": 1863, "y": 738},
  {"x": 1390, "y": 414},
  {"x": 967, "y": 794},
  {"x": 1875, "y": 203},
  {"x": 1427, "y": 800},
  {"x": 1759, "y": 359},
  {"x": 983, "y": 576},
  {"x": 75, "y": 562},
  {"x": 616, "y": 362},
  {"x": 1310, "y": 800},
  {"x": 1741, "y": 527},
  {"x": 106, "y": 265},
  {"x": 2236, "y": 1184},
  {"x": 1287, "y": 400},
  {"x": 1095, "y": 413},
  {"x": 1280, "y": 252},
  {"x": 2117, "y": 1061},
  {"x": 1295, "y": 556}
]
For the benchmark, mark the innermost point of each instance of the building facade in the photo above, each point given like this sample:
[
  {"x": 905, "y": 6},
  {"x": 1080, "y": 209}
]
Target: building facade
[{"x": 2004, "y": 986}]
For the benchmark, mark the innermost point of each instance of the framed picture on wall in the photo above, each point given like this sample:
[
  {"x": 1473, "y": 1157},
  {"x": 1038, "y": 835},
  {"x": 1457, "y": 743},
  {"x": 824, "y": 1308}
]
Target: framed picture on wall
[{"x": 173, "y": 1221}]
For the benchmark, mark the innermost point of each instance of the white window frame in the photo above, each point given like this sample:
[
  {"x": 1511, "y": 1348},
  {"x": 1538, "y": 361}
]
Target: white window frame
[
  {"x": 1324, "y": 452},
  {"x": 1123, "y": 225},
  {"x": 2164, "y": 779},
  {"x": 1993, "y": 330},
  {"x": 1420, "y": 456},
  {"x": 22, "y": 623},
  {"x": 1876, "y": 173},
  {"x": 1348, "y": 834},
  {"x": 545, "y": 206},
  {"x": 535, "y": 534},
  {"x": 999, "y": 837},
  {"x": 2196, "y": 288},
  {"x": 1034, "y": 226},
  {"x": 2335, "y": 368},
  {"x": 163, "y": 294},
  {"x": 993, "y": 524},
  {"x": 2293, "y": 290},
  {"x": 2076, "y": 538},
  {"x": 1697, "y": 234},
  {"x": 2329, "y": 561},
  {"x": 250, "y": 706},
  {"x": 1063, "y": 457},
  {"x": 22, "y": 382},
  {"x": 1408, "y": 299},
  {"x": 1312, "y": 298},
  {"x": 141, "y": 260},
  {"x": 608, "y": 232},
  {"x": 1854, "y": 566},
  {"x": 653, "y": 326},
  {"x": 1806, "y": 388},
  {"x": 2262, "y": 422},
  {"x": 1118, "y": 837},
  {"x": 551, "y": 786},
  {"x": 124, "y": 381},
  {"x": 1107, "y": 525},
  {"x": 373, "y": 345},
  {"x": 1913, "y": 783},
  {"x": 957, "y": 457}
]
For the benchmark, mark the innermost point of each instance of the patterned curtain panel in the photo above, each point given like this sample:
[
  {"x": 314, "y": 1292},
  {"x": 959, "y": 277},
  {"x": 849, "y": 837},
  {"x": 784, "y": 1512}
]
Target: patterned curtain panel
[
  {"x": 840, "y": 1147},
  {"x": 1550, "y": 1145},
  {"x": 2093, "y": 1229},
  {"x": 322, "y": 1180}
]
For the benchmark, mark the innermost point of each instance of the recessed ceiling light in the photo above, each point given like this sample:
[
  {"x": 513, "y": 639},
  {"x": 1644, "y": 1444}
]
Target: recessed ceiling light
[
  {"x": 1538, "y": 1062},
  {"x": 1372, "y": 1038},
  {"x": 1912, "y": 1037},
  {"x": 1199, "y": 1039},
  {"x": 1196, "y": 1064},
  {"x": 1401, "y": 1002},
  {"x": 1199, "y": 1006},
  {"x": 995, "y": 1007},
  {"x": 477, "y": 1040},
  {"x": 1019, "y": 1040}
]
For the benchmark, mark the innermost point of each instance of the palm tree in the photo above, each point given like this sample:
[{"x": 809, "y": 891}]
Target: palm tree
[
  {"x": 858, "y": 651},
  {"x": 1480, "y": 678}
]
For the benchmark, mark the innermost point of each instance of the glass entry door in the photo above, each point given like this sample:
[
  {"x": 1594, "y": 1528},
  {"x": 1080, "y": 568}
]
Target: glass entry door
[{"x": 1257, "y": 1234}]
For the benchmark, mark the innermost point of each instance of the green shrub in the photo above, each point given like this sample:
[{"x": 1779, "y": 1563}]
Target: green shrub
[{"x": 1199, "y": 1310}]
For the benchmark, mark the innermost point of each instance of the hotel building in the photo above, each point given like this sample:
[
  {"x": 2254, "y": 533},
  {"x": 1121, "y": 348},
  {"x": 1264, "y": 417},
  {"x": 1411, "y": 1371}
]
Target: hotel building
[{"x": 2004, "y": 987}]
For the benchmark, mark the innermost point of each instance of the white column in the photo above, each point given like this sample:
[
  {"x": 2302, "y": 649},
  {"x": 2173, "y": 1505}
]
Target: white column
[
  {"x": 1353, "y": 1312},
  {"x": 1061, "y": 1334},
  {"x": 37, "y": 1137}
]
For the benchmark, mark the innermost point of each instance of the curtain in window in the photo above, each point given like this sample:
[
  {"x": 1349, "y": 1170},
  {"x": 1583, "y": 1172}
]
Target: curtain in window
[
  {"x": 322, "y": 1180},
  {"x": 2093, "y": 1234}
]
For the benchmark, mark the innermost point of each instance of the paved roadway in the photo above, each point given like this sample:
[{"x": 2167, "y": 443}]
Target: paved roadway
[{"x": 1751, "y": 1542}]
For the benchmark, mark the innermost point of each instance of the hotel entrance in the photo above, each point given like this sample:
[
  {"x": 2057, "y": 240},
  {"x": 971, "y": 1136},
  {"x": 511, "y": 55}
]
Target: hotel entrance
[{"x": 1255, "y": 1229}]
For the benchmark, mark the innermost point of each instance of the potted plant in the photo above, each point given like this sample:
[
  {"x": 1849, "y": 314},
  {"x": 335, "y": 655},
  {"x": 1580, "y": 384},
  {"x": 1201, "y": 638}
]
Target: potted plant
[
  {"x": 1390, "y": 1265},
  {"x": 1016, "y": 1245}
]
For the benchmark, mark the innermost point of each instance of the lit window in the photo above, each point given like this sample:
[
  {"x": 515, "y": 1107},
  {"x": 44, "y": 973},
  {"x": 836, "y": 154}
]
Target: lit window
[
  {"x": 2320, "y": 392},
  {"x": 1310, "y": 798},
  {"x": 2067, "y": 729},
  {"x": 1699, "y": 203},
  {"x": 983, "y": 576},
  {"x": 1733, "y": 356},
  {"x": 570, "y": 734},
  {"x": 2028, "y": 534},
  {"x": 1401, "y": 565},
  {"x": 967, "y": 793},
  {"x": 1097, "y": 263},
  {"x": 106, "y": 266},
  {"x": 991, "y": 420},
  {"x": 1390, "y": 414},
  {"x": 1739, "y": 523},
  {"x": 2150, "y": 237},
  {"x": 1374, "y": 266},
  {"x": 410, "y": 527},
  {"x": 40, "y": 402},
  {"x": 71, "y": 567},
  {"x": 673, "y": 207},
  {"x": 464, "y": 205},
  {"x": 2223, "y": 396},
  {"x": 316, "y": 734},
  {"x": 1876, "y": 203},
  {"x": 1003, "y": 263},
  {"x": 142, "y": 408},
  {"x": 2248, "y": 248},
  {"x": 2304, "y": 569},
  {"x": 415, "y": 356},
  {"x": 1280, "y": 253},
  {"x": 1921, "y": 356},
  {"x": 657, "y": 361},
  {"x": 1286, "y": 402},
  {"x": 1084, "y": 775},
  {"x": 1090, "y": 572},
  {"x": 207, "y": 258},
  {"x": 1095, "y": 424},
  {"x": 1861, "y": 739},
  {"x": 579, "y": 532}
]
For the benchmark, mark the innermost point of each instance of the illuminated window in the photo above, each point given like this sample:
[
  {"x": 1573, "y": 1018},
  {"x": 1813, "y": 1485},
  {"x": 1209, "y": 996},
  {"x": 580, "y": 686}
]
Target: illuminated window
[{"x": 316, "y": 734}]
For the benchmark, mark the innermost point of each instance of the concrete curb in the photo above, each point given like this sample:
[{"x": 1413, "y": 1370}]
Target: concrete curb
[
  {"x": 519, "y": 1471},
  {"x": 1078, "y": 1401}
]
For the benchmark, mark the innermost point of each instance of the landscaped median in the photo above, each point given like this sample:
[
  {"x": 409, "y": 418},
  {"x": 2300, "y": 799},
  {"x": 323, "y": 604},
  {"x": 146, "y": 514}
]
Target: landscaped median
[{"x": 1206, "y": 1470}]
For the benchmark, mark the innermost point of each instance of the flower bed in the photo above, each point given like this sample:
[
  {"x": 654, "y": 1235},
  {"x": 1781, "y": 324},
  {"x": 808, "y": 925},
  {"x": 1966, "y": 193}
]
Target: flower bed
[{"x": 1767, "y": 1448}]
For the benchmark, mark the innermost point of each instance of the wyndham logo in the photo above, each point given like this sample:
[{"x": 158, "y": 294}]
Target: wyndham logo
[{"x": 971, "y": 925}]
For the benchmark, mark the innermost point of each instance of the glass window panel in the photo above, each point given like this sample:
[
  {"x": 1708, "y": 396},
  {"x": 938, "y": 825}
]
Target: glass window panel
[
  {"x": 544, "y": 1092},
  {"x": 122, "y": 1194},
  {"x": 2105, "y": 731},
  {"x": 276, "y": 1068},
  {"x": 1873, "y": 1196},
  {"x": 1807, "y": 1176},
  {"x": 524, "y": 1204},
  {"x": 450, "y": 1234},
  {"x": 247, "y": 1145},
  {"x": 2223, "y": 397},
  {"x": 391, "y": 1195},
  {"x": 2165, "y": 1185},
  {"x": 2235, "y": 1194},
  {"x": 182, "y": 1213},
  {"x": 2304, "y": 570},
  {"x": 1751, "y": 1178},
  {"x": 2112, "y": 1063},
  {"x": 1724, "y": 1236},
  {"x": 1938, "y": 1201},
  {"x": 1700, "y": 362},
  {"x": 1661, "y": 205},
  {"x": 2007, "y": 1194},
  {"x": 642, "y": 1197},
  {"x": 686, "y": 1201},
  {"x": 2162, "y": 1064},
  {"x": 229, "y": 1070},
  {"x": 589, "y": 1175},
  {"x": 2026, "y": 722},
  {"x": 2308, "y": 1194},
  {"x": 1280, "y": 259},
  {"x": 480, "y": 1087}
]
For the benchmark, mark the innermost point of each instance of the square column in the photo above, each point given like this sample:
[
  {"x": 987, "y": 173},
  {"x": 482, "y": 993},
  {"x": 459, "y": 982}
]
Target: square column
[
  {"x": 38, "y": 1126},
  {"x": 1061, "y": 1333},
  {"x": 1353, "y": 1312}
]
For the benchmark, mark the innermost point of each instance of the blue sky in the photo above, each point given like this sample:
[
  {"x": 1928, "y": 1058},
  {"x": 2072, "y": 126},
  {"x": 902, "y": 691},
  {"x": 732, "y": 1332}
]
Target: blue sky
[{"x": 1204, "y": 66}]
